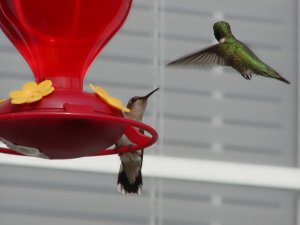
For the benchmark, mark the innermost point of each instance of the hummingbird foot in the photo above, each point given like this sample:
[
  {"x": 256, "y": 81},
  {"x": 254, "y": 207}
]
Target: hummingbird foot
[{"x": 247, "y": 74}]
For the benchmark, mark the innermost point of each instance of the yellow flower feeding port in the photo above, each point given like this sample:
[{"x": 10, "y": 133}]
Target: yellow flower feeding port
[
  {"x": 112, "y": 101},
  {"x": 31, "y": 92}
]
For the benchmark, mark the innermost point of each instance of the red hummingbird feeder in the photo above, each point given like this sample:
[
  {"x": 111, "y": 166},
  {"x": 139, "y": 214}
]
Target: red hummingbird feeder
[{"x": 59, "y": 39}]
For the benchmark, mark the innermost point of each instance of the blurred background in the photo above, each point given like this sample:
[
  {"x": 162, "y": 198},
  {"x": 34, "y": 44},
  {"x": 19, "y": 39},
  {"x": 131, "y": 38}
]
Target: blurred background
[{"x": 207, "y": 115}]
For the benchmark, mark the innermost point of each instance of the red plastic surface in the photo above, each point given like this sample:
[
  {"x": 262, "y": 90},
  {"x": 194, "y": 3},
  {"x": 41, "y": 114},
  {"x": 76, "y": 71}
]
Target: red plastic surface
[
  {"x": 70, "y": 135},
  {"x": 60, "y": 38}
]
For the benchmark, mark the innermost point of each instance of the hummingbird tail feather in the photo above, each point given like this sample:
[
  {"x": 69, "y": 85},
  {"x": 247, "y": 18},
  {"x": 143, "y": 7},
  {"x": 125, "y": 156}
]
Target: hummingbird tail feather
[
  {"x": 268, "y": 71},
  {"x": 283, "y": 79},
  {"x": 125, "y": 187}
]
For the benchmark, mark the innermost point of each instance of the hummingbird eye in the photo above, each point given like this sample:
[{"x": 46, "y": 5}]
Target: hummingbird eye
[{"x": 131, "y": 101}]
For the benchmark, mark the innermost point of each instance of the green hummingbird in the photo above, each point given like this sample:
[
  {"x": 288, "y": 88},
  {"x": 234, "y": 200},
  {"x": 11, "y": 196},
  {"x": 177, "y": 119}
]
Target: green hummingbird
[{"x": 229, "y": 52}]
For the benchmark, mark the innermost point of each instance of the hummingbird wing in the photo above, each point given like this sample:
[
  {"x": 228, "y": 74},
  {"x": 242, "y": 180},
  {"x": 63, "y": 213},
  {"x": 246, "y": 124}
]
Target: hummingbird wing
[{"x": 207, "y": 57}]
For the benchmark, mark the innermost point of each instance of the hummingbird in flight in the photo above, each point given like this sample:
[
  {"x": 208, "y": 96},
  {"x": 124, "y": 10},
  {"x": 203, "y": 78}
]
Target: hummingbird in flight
[
  {"x": 130, "y": 175},
  {"x": 229, "y": 52}
]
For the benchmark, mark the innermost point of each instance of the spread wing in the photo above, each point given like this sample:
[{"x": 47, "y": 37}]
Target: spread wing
[{"x": 207, "y": 57}]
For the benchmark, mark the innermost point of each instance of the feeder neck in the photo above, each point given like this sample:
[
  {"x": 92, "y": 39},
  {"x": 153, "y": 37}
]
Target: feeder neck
[{"x": 66, "y": 83}]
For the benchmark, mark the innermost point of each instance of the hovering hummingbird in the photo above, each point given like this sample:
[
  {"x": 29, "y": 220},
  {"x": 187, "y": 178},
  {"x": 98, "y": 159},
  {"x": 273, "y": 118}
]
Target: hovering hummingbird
[
  {"x": 229, "y": 52},
  {"x": 130, "y": 175}
]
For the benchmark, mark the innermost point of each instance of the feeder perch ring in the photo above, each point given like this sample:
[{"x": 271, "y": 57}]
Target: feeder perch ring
[{"x": 128, "y": 127}]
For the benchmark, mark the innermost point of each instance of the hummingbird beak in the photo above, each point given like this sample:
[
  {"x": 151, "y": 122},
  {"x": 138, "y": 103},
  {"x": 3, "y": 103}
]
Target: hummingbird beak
[{"x": 148, "y": 95}]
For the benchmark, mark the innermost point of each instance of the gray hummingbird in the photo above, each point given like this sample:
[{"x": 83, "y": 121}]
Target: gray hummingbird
[
  {"x": 229, "y": 52},
  {"x": 130, "y": 176}
]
